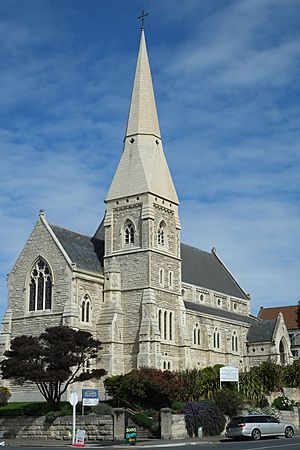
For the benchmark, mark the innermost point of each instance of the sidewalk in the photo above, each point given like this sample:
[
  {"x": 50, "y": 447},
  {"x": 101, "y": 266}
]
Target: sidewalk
[
  {"x": 118, "y": 444},
  {"x": 90, "y": 444}
]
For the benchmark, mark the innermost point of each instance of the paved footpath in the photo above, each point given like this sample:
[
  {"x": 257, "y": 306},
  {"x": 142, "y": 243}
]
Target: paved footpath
[
  {"x": 118, "y": 444},
  {"x": 142, "y": 443}
]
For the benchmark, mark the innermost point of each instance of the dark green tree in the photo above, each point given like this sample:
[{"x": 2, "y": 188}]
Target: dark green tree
[
  {"x": 298, "y": 314},
  {"x": 53, "y": 361}
]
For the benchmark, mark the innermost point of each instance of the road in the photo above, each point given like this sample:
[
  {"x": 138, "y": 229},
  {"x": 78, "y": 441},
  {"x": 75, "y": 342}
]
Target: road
[{"x": 225, "y": 444}]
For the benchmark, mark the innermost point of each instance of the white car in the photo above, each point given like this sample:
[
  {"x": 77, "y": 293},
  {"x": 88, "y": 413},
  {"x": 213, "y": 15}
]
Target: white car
[{"x": 256, "y": 426}]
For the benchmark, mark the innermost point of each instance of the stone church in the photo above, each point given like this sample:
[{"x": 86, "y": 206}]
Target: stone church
[{"x": 152, "y": 300}]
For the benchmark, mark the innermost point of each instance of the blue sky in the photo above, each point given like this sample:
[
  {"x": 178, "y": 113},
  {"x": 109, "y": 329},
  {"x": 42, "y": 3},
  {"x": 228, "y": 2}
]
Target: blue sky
[{"x": 226, "y": 76}]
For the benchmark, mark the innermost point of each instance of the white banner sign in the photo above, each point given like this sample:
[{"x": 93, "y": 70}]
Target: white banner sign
[{"x": 229, "y": 373}]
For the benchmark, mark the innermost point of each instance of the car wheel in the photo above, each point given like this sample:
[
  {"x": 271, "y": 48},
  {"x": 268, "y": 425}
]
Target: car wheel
[
  {"x": 256, "y": 434},
  {"x": 289, "y": 432}
]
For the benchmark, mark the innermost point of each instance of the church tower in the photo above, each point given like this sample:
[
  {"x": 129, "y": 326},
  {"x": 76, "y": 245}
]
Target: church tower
[{"x": 142, "y": 238}]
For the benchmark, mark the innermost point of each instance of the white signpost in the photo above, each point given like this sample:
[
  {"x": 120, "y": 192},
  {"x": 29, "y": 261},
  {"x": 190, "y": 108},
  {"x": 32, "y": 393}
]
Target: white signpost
[
  {"x": 73, "y": 400},
  {"x": 229, "y": 373}
]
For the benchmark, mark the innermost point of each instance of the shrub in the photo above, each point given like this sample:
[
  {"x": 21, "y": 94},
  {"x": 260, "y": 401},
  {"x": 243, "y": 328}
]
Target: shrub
[
  {"x": 282, "y": 403},
  {"x": 206, "y": 415},
  {"x": 268, "y": 410},
  {"x": 229, "y": 402},
  {"x": 4, "y": 395},
  {"x": 177, "y": 406},
  {"x": 142, "y": 420}
]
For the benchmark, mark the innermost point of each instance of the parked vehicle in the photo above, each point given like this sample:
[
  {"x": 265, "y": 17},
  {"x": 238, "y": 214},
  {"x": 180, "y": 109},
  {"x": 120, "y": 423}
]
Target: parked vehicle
[{"x": 257, "y": 426}]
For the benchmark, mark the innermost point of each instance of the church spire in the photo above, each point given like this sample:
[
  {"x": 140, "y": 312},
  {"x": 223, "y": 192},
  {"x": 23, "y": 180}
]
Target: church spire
[
  {"x": 142, "y": 118},
  {"x": 143, "y": 167}
]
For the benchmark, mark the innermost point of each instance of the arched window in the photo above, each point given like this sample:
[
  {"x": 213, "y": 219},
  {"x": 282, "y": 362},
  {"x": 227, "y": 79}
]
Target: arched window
[
  {"x": 165, "y": 325},
  {"x": 161, "y": 276},
  {"x": 85, "y": 308},
  {"x": 216, "y": 339},
  {"x": 40, "y": 290},
  {"x": 161, "y": 233},
  {"x": 159, "y": 320},
  {"x": 197, "y": 334},
  {"x": 234, "y": 342},
  {"x": 129, "y": 233},
  {"x": 170, "y": 327}
]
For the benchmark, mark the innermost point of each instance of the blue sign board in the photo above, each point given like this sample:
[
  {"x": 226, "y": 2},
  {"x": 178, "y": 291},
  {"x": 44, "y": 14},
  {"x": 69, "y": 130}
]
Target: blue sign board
[{"x": 90, "y": 396}]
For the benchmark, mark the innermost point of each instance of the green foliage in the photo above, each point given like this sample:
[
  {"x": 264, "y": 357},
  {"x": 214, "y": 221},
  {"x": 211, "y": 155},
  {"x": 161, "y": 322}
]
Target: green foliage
[
  {"x": 36, "y": 409},
  {"x": 292, "y": 374},
  {"x": 270, "y": 375},
  {"x": 209, "y": 383},
  {"x": 52, "y": 361},
  {"x": 4, "y": 395},
  {"x": 206, "y": 415},
  {"x": 177, "y": 406},
  {"x": 101, "y": 409},
  {"x": 143, "y": 420},
  {"x": 268, "y": 410},
  {"x": 282, "y": 403},
  {"x": 229, "y": 402},
  {"x": 191, "y": 389},
  {"x": 144, "y": 388},
  {"x": 298, "y": 314},
  {"x": 251, "y": 387}
]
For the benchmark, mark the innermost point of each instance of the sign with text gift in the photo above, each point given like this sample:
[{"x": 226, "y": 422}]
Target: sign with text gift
[{"x": 90, "y": 397}]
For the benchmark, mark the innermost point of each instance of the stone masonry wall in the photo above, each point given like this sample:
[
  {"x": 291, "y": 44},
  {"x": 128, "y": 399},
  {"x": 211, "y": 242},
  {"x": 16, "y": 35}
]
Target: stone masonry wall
[{"x": 97, "y": 427}]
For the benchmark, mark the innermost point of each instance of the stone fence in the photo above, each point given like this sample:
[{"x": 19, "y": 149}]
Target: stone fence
[{"x": 97, "y": 427}]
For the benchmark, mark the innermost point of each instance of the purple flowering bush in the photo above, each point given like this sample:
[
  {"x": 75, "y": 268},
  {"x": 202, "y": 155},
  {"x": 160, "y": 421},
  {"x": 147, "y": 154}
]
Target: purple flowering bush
[{"x": 206, "y": 415}]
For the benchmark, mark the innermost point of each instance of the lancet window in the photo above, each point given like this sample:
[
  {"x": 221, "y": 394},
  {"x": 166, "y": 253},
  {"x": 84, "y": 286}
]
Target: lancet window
[
  {"x": 129, "y": 233},
  {"x": 196, "y": 335},
  {"x": 216, "y": 338},
  {"x": 161, "y": 233},
  {"x": 85, "y": 309},
  {"x": 234, "y": 342},
  {"x": 40, "y": 290}
]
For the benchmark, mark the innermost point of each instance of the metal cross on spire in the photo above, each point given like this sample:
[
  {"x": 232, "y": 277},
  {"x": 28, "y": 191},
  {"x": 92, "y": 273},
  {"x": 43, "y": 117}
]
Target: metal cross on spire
[{"x": 142, "y": 17}]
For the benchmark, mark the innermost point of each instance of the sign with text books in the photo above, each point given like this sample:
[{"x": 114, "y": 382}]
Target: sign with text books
[{"x": 130, "y": 435}]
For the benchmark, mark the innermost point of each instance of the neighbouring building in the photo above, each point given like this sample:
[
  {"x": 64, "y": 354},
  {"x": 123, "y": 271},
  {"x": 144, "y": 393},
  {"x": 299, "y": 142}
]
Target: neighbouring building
[
  {"x": 290, "y": 317},
  {"x": 152, "y": 300}
]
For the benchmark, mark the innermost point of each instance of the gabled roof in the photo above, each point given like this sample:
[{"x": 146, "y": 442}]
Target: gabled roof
[
  {"x": 206, "y": 270},
  {"x": 289, "y": 313},
  {"x": 261, "y": 331},
  {"x": 222, "y": 313},
  {"x": 84, "y": 251}
]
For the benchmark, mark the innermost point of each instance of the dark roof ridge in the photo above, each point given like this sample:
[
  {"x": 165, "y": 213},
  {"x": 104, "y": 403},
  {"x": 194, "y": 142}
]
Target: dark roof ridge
[
  {"x": 72, "y": 231},
  {"x": 196, "y": 248},
  {"x": 273, "y": 307}
]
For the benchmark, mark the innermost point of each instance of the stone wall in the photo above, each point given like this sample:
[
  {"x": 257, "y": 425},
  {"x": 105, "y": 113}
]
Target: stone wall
[{"x": 97, "y": 427}]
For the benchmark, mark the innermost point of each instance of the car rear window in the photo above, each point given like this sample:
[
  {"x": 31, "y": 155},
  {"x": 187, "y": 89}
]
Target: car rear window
[{"x": 236, "y": 421}]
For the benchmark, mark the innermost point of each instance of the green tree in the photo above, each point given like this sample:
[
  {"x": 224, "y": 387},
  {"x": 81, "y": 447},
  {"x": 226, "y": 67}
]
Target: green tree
[
  {"x": 4, "y": 395},
  {"x": 292, "y": 374},
  {"x": 270, "y": 376},
  {"x": 298, "y": 314},
  {"x": 209, "y": 383},
  {"x": 191, "y": 390},
  {"x": 53, "y": 361},
  {"x": 252, "y": 388}
]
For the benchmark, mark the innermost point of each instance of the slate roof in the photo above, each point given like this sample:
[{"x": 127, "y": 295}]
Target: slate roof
[
  {"x": 206, "y": 270},
  {"x": 289, "y": 313},
  {"x": 83, "y": 250},
  {"x": 261, "y": 331},
  {"x": 198, "y": 267},
  {"x": 219, "y": 313}
]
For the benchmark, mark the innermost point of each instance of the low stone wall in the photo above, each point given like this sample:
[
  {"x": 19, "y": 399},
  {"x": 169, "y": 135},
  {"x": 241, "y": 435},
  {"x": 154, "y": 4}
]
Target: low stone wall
[
  {"x": 97, "y": 427},
  {"x": 172, "y": 425},
  {"x": 291, "y": 416}
]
